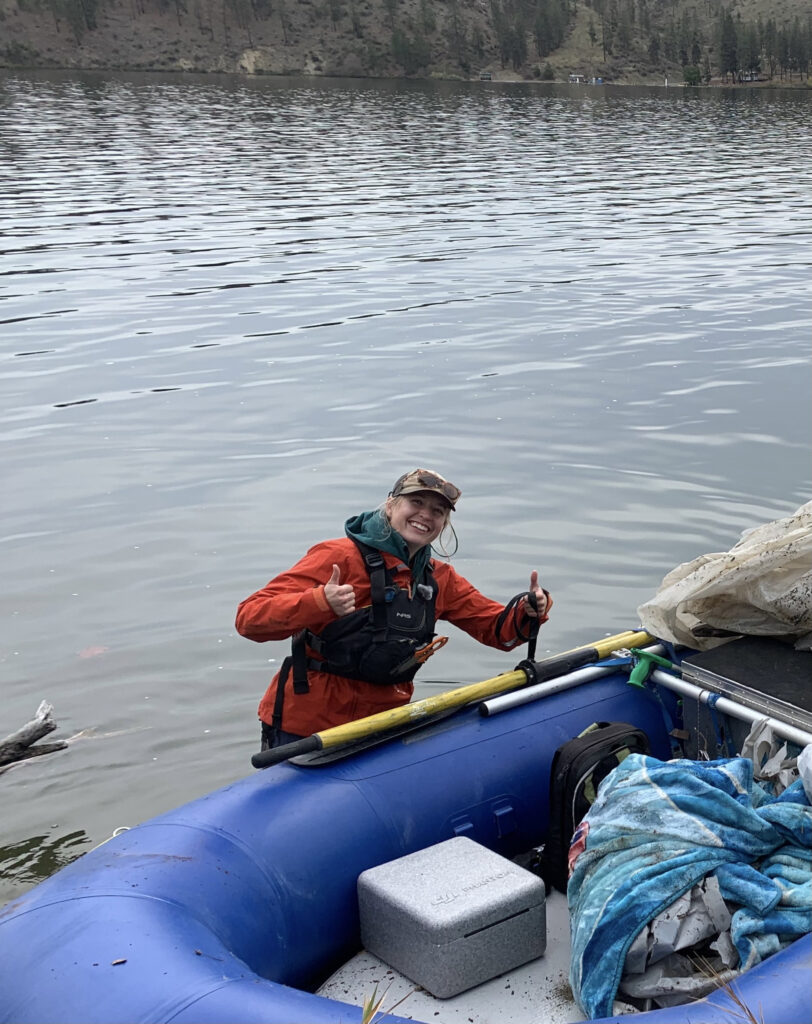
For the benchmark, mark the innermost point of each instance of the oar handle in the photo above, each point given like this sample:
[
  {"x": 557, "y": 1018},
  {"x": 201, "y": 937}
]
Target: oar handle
[
  {"x": 541, "y": 671},
  {"x": 275, "y": 755}
]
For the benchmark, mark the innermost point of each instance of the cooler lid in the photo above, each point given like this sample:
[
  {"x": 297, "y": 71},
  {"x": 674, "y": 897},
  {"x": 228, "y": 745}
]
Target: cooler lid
[{"x": 449, "y": 890}]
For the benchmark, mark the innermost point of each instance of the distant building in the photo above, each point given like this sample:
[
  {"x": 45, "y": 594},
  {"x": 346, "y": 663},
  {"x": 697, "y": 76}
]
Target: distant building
[{"x": 484, "y": 76}]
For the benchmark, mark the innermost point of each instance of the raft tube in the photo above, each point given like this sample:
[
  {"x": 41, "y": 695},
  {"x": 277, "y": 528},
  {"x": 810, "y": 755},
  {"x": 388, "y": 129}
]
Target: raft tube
[{"x": 235, "y": 907}]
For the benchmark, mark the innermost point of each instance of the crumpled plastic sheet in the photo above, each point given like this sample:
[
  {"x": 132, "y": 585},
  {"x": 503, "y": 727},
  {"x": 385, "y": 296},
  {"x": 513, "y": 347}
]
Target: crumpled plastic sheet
[
  {"x": 761, "y": 587},
  {"x": 805, "y": 770},
  {"x": 773, "y": 767},
  {"x": 654, "y": 969}
]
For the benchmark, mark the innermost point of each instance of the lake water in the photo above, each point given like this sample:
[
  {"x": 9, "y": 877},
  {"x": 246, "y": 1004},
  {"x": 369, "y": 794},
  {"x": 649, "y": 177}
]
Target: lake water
[{"x": 233, "y": 311}]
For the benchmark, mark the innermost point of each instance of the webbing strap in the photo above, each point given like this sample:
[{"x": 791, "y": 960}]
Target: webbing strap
[
  {"x": 535, "y": 625},
  {"x": 673, "y": 738},
  {"x": 377, "y": 588},
  {"x": 284, "y": 672},
  {"x": 512, "y": 607},
  {"x": 643, "y": 663},
  {"x": 722, "y": 734},
  {"x": 299, "y": 659}
]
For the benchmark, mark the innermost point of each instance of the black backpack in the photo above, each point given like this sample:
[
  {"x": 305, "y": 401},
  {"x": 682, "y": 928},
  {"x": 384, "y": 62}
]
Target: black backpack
[{"x": 579, "y": 766}]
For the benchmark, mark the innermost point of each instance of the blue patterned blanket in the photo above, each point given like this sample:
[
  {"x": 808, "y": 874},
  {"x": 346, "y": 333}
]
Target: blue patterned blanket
[{"x": 656, "y": 829}]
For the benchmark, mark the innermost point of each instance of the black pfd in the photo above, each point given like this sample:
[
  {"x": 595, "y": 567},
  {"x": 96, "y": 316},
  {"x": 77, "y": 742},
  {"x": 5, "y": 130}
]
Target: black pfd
[{"x": 384, "y": 643}]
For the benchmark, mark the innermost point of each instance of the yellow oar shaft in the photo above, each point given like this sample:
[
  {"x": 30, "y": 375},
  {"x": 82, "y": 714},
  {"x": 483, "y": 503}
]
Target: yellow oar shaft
[
  {"x": 384, "y": 721},
  {"x": 620, "y": 641},
  {"x": 394, "y": 717},
  {"x": 351, "y": 732}
]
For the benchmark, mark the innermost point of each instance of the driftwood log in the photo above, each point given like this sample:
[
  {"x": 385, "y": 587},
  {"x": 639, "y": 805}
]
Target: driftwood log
[{"x": 20, "y": 744}]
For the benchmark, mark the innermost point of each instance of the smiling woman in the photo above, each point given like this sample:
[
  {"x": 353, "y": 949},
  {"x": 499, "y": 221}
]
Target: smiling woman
[{"x": 362, "y": 609}]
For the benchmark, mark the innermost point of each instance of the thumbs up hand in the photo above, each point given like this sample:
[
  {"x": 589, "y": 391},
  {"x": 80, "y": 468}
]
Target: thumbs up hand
[
  {"x": 340, "y": 596},
  {"x": 543, "y": 600}
]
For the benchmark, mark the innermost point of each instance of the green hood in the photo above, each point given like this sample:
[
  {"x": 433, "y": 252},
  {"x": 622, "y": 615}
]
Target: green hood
[{"x": 373, "y": 528}]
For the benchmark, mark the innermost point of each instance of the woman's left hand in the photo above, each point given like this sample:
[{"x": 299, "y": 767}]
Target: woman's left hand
[{"x": 543, "y": 600}]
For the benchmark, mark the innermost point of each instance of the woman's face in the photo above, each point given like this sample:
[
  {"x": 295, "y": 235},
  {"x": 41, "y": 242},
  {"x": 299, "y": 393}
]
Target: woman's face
[{"x": 419, "y": 518}]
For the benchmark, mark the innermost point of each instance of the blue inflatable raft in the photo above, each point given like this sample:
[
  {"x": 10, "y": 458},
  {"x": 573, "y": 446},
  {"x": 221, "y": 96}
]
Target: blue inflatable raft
[{"x": 236, "y": 907}]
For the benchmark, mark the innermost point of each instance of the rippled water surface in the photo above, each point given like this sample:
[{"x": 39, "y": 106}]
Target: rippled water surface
[{"x": 233, "y": 311}]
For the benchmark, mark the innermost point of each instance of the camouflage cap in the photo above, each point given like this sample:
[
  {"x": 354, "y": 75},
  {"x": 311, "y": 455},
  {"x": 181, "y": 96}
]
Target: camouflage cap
[{"x": 426, "y": 480}]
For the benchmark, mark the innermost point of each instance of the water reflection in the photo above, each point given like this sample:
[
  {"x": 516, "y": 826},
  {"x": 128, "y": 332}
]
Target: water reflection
[{"x": 28, "y": 861}]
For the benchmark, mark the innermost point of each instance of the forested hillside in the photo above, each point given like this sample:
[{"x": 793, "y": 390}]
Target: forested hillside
[{"x": 627, "y": 41}]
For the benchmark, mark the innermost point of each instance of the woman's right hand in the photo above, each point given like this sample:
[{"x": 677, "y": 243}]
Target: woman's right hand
[{"x": 340, "y": 596}]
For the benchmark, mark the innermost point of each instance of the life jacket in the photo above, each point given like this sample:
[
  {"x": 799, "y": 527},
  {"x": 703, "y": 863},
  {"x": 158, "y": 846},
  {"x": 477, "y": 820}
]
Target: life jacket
[{"x": 378, "y": 644}]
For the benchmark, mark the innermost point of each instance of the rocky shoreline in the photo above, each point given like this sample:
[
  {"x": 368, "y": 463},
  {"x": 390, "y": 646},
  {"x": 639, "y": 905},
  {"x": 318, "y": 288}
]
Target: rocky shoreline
[{"x": 301, "y": 38}]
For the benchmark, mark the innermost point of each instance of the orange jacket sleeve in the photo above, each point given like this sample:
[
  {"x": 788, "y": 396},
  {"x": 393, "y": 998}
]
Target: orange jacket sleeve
[
  {"x": 294, "y": 600},
  {"x": 463, "y": 605}
]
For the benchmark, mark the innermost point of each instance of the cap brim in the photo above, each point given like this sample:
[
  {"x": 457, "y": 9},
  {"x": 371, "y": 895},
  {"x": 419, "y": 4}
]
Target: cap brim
[{"x": 428, "y": 490}]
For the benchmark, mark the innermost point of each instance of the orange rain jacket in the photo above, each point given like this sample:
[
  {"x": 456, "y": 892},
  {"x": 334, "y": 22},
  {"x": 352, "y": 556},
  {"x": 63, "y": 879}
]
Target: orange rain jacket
[{"x": 295, "y": 600}]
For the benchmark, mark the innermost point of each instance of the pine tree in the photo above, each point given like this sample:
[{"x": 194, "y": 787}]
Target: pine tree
[{"x": 728, "y": 45}]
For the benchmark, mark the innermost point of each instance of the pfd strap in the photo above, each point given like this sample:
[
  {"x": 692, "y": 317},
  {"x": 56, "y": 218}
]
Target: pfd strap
[
  {"x": 284, "y": 672},
  {"x": 299, "y": 661},
  {"x": 377, "y": 588}
]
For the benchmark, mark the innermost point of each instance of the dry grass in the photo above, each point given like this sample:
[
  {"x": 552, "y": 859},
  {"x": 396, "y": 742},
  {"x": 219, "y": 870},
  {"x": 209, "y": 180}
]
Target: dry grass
[
  {"x": 373, "y": 1005},
  {"x": 743, "y": 1013}
]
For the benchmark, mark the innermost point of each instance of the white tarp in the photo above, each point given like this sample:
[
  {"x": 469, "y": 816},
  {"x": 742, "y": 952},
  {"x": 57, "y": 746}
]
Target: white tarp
[{"x": 761, "y": 587}]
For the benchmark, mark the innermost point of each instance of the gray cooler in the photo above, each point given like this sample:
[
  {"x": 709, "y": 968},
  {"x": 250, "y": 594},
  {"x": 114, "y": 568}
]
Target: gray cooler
[{"x": 452, "y": 916}]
